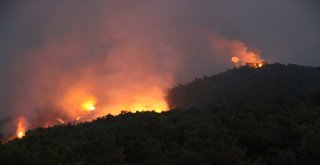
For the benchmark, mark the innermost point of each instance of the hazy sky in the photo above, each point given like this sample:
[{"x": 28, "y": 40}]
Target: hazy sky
[{"x": 170, "y": 38}]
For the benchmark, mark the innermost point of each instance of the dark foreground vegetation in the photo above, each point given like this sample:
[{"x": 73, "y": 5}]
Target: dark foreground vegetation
[{"x": 273, "y": 130}]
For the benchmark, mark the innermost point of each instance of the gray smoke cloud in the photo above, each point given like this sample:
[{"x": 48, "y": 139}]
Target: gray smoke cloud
[{"x": 106, "y": 46}]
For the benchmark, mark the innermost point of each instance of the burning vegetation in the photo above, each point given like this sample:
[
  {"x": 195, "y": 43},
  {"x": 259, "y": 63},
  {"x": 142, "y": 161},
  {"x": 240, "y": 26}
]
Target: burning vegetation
[
  {"x": 133, "y": 76},
  {"x": 21, "y": 127},
  {"x": 123, "y": 89},
  {"x": 257, "y": 64}
]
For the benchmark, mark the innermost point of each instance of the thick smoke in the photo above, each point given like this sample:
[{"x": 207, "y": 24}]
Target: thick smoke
[
  {"x": 60, "y": 57},
  {"x": 123, "y": 63}
]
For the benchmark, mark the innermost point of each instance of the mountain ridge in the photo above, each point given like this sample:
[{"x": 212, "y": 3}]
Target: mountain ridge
[{"x": 247, "y": 84}]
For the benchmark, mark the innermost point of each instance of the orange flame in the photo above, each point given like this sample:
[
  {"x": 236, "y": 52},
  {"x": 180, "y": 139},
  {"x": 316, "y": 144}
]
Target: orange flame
[
  {"x": 235, "y": 59},
  {"x": 21, "y": 128},
  {"x": 256, "y": 65},
  {"x": 141, "y": 98},
  {"x": 60, "y": 120},
  {"x": 77, "y": 101},
  {"x": 89, "y": 105}
]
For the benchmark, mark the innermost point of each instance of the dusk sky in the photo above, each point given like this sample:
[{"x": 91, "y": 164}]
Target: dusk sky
[{"x": 111, "y": 49}]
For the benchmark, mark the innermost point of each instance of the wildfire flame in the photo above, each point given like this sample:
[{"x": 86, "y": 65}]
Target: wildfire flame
[
  {"x": 242, "y": 55},
  {"x": 21, "y": 128},
  {"x": 89, "y": 105},
  {"x": 61, "y": 120},
  {"x": 256, "y": 65},
  {"x": 237, "y": 62},
  {"x": 155, "y": 105},
  {"x": 235, "y": 59},
  {"x": 141, "y": 98},
  {"x": 76, "y": 103}
]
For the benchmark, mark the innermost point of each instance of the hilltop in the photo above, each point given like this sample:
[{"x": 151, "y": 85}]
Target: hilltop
[{"x": 247, "y": 84}]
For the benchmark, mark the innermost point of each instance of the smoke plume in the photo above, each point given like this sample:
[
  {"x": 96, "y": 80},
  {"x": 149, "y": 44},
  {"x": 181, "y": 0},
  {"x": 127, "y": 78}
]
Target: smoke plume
[{"x": 238, "y": 51}]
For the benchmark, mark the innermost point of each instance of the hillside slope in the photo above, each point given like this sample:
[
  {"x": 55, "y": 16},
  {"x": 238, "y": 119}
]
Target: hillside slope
[{"x": 246, "y": 84}]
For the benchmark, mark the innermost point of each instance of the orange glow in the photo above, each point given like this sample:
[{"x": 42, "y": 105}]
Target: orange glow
[
  {"x": 76, "y": 102},
  {"x": 235, "y": 59},
  {"x": 89, "y": 105},
  {"x": 60, "y": 120},
  {"x": 20, "y": 134},
  {"x": 155, "y": 105},
  {"x": 21, "y": 128},
  {"x": 256, "y": 65},
  {"x": 140, "y": 98}
]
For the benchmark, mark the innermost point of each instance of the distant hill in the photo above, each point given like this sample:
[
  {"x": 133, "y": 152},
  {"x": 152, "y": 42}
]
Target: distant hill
[{"x": 247, "y": 84}]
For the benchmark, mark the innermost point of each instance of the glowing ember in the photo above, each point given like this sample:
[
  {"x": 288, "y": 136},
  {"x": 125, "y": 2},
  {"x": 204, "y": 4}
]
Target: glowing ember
[
  {"x": 235, "y": 59},
  {"x": 20, "y": 133}
]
